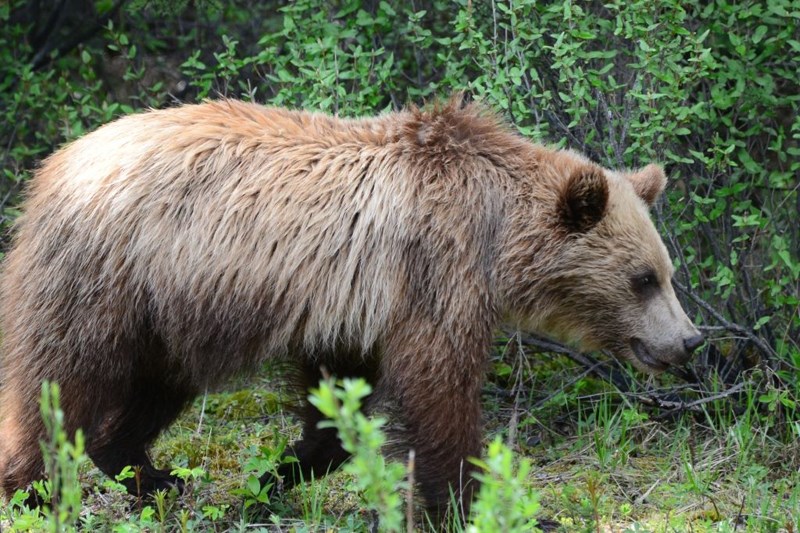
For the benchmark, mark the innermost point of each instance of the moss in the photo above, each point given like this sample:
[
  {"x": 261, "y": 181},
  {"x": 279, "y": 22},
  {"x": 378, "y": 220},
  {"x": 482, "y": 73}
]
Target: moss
[{"x": 243, "y": 404}]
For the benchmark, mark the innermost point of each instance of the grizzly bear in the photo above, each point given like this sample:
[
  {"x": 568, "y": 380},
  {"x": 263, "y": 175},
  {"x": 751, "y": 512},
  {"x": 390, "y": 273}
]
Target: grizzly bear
[{"x": 170, "y": 250}]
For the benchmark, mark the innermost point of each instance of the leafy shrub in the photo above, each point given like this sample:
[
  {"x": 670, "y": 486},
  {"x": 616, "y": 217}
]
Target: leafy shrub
[
  {"x": 61, "y": 491},
  {"x": 380, "y": 482},
  {"x": 505, "y": 501}
]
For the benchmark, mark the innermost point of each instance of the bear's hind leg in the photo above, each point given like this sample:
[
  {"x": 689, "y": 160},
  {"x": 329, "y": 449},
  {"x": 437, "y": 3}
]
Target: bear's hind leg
[
  {"x": 123, "y": 435},
  {"x": 319, "y": 451},
  {"x": 21, "y": 428}
]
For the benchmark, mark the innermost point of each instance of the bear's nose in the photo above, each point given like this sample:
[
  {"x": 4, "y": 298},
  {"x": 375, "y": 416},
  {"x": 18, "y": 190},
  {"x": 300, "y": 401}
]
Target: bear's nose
[{"x": 693, "y": 343}]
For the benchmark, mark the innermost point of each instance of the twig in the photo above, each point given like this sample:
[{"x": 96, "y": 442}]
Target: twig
[
  {"x": 202, "y": 413},
  {"x": 674, "y": 406},
  {"x": 587, "y": 361},
  {"x": 767, "y": 351},
  {"x": 565, "y": 386},
  {"x": 410, "y": 494},
  {"x": 640, "y": 499},
  {"x": 375, "y": 522},
  {"x": 515, "y": 346},
  {"x": 623, "y": 385},
  {"x": 740, "y": 515}
]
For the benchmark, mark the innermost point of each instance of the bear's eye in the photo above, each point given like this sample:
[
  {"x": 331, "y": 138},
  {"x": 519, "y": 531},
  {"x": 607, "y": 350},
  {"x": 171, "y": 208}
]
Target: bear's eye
[{"x": 645, "y": 283}]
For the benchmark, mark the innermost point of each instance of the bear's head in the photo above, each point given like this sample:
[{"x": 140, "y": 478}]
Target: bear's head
[{"x": 599, "y": 274}]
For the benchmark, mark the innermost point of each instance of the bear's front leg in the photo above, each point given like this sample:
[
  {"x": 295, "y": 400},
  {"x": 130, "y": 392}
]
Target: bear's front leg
[{"x": 436, "y": 380}]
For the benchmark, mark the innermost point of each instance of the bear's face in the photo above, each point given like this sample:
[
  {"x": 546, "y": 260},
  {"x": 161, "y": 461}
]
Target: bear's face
[{"x": 608, "y": 284}]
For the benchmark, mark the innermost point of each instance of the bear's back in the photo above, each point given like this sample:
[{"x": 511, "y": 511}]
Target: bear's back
[
  {"x": 226, "y": 228},
  {"x": 221, "y": 226}
]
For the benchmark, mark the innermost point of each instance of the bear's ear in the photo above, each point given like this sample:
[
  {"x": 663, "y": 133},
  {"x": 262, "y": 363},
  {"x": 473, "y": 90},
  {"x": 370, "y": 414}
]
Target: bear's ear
[
  {"x": 582, "y": 202},
  {"x": 648, "y": 182}
]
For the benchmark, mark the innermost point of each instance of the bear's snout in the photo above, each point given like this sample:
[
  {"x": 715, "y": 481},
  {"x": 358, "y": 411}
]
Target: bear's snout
[{"x": 658, "y": 360}]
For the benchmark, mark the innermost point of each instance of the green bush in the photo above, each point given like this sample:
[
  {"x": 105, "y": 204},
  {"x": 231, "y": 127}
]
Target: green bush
[
  {"x": 60, "y": 492},
  {"x": 505, "y": 501},
  {"x": 378, "y": 480}
]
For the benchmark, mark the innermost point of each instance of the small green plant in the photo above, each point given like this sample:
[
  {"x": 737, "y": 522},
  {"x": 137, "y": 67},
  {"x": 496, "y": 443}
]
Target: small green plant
[
  {"x": 380, "y": 482},
  {"x": 62, "y": 461},
  {"x": 61, "y": 490},
  {"x": 312, "y": 498},
  {"x": 20, "y": 517},
  {"x": 504, "y": 502},
  {"x": 261, "y": 460},
  {"x": 116, "y": 483}
]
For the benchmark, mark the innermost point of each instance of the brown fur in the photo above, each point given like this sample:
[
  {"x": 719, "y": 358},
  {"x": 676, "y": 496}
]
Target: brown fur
[{"x": 170, "y": 250}]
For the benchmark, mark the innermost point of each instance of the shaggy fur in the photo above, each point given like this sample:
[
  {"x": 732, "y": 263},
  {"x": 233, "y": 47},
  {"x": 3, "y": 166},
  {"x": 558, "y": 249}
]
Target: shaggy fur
[{"x": 170, "y": 250}]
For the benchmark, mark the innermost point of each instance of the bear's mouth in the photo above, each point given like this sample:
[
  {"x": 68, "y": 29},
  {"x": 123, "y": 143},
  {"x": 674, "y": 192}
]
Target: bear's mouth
[{"x": 648, "y": 359}]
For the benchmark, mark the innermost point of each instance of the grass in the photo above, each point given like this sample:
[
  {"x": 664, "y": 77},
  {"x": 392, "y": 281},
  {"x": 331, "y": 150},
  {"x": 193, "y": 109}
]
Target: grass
[{"x": 601, "y": 462}]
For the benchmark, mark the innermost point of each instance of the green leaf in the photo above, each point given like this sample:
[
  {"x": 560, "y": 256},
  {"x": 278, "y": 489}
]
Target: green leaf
[
  {"x": 759, "y": 34},
  {"x": 582, "y": 34},
  {"x": 761, "y": 322},
  {"x": 103, "y": 6},
  {"x": 386, "y": 8},
  {"x": 253, "y": 485}
]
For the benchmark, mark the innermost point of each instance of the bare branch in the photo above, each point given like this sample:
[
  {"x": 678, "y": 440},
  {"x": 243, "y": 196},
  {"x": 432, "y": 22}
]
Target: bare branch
[{"x": 766, "y": 350}]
